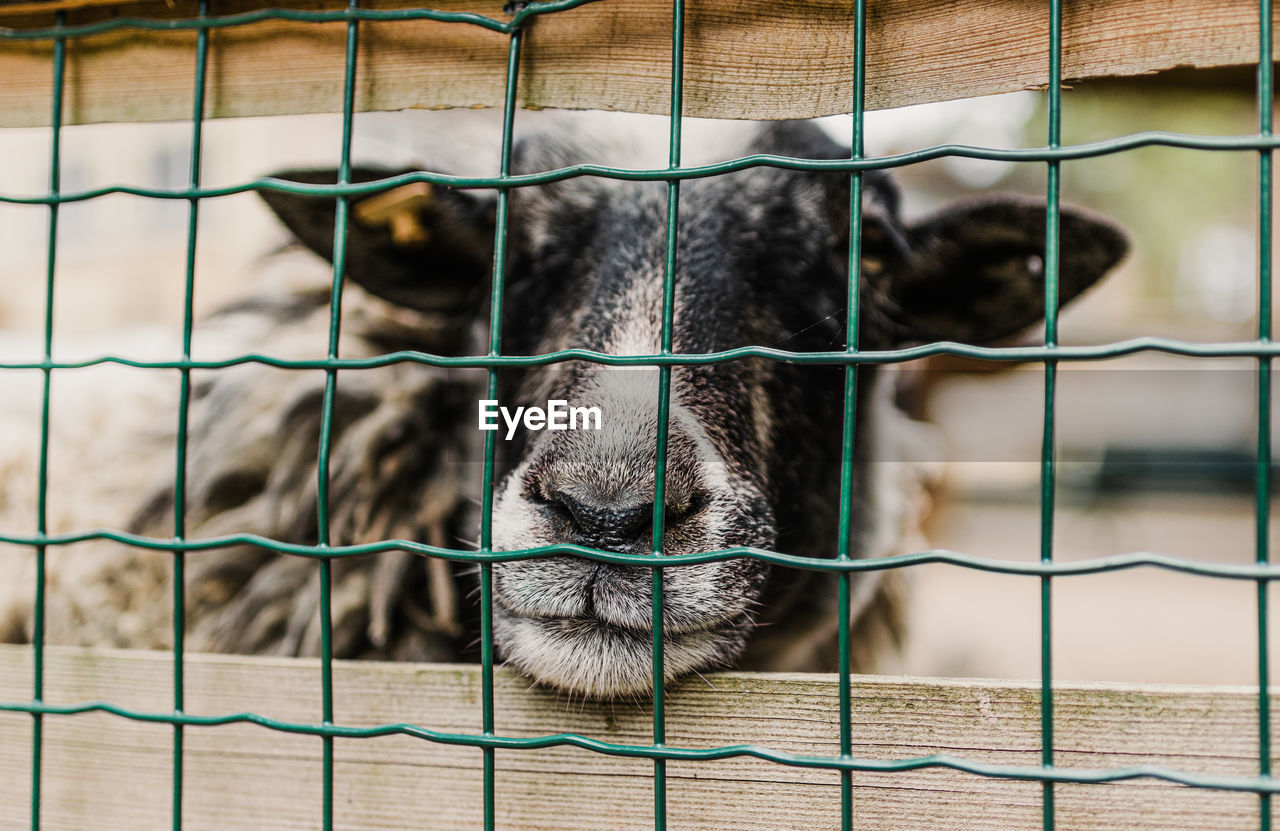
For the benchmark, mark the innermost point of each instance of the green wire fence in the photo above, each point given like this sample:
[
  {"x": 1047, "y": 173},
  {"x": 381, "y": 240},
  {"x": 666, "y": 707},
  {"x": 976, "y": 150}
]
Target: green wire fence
[{"x": 489, "y": 740}]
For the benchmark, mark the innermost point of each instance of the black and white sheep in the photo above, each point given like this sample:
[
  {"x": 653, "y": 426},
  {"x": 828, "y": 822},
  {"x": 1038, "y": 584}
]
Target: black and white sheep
[{"x": 754, "y": 448}]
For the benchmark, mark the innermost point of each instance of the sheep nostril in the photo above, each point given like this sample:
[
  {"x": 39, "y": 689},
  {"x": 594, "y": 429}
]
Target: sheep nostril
[{"x": 601, "y": 519}]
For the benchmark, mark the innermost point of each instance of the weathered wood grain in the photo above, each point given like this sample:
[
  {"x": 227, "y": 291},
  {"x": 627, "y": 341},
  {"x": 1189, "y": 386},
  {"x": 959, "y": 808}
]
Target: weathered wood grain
[
  {"x": 103, "y": 772},
  {"x": 760, "y": 59}
]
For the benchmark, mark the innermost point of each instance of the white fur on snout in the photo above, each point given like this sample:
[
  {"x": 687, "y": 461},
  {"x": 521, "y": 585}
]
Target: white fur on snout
[
  {"x": 601, "y": 662},
  {"x": 586, "y": 628},
  {"x": 640, "y": 331},
  {"x": 543, "y": 587}
]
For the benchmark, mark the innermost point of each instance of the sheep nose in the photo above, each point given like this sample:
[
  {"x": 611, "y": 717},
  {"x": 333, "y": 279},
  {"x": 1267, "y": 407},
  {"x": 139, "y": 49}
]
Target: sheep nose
[{"x": 605, "y": 522}]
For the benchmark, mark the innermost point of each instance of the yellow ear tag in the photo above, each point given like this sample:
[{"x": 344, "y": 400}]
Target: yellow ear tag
[{"x": 400, "y": 210}]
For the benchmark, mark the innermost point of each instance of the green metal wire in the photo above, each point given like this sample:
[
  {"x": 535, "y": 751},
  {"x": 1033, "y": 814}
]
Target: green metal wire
[
  {"x": 184, "y": 405},
  {"x": 1083, "y": 776},
  {"x": 844, "y": 543},
  {"x": 341, "y": 221},
  {"x": 851, "y": 358},
  {"x": 1087, "y": 150},
  {"x": 495, "y": 350},
  {"x": 1100, "y": 565},
  {"x": 42, "y": 481},
  {"x": 1264, "y": 785},
  {"x": 351, "y": 15},
  {"x": 1018, "y": 354},
  {"x": 1263, "y": 475},
  {"x": 664, "y": 414},
  {"x": 1047, "y": 469}
]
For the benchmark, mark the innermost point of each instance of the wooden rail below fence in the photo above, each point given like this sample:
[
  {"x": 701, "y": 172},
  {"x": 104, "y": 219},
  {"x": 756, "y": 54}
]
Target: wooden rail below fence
[
  {"x": 759, "y": 59},
  {"x": 105, "y": 772}
]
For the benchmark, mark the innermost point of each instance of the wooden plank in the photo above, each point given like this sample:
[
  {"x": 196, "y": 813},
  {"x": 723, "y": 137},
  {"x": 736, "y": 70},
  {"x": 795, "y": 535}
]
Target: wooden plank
[
  {"x": 15, "y": 7},
  {"x": 103, "y": 772},
  {"x": 760, "y": 59}
]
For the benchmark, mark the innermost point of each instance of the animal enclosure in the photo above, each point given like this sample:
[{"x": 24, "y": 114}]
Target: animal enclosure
[{"x": 214, "y": 741}]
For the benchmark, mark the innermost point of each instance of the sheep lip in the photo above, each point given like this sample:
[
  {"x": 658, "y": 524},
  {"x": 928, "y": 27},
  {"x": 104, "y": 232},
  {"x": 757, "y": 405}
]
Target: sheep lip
[
  {"x": 585, "y": 624},
  {"x": 579, "y": 622},
  {"x": 590, "y": 622},
  {"x": 588, "y": 657}
]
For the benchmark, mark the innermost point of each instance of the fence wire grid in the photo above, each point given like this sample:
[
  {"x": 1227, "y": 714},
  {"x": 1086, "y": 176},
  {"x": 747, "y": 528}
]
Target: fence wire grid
[{"x": 1052, "y": 154}]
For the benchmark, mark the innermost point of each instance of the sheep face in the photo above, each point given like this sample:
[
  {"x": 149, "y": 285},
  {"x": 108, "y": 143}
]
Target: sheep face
[{"x": 753, "y": 448}]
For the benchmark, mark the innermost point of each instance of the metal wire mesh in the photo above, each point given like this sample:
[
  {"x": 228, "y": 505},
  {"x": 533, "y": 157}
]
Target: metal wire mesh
[{"x": 489, "y": 741}]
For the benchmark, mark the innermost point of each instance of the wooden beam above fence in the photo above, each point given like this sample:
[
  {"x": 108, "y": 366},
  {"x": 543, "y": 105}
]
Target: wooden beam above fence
[
  {"x": 759, "y": 59},
  {"x": 104, "y": 772}
]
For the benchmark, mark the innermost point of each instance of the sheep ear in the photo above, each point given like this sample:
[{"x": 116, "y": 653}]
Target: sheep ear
[
  {"x": 419, "y": 245},
  {"x": 975, "y": 272}
]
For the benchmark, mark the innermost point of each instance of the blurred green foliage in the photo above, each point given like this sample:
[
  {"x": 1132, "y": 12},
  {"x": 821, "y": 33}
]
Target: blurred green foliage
[{"x": 1167, "y": 198}]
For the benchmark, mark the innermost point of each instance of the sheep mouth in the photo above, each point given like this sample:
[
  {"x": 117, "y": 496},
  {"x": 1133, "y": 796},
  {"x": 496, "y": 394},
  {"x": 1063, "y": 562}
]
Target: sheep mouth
[
  {"x": 577, "y": 623},
  {"x": 588, "y": 656},
  {"x": 626, "y": 625}
]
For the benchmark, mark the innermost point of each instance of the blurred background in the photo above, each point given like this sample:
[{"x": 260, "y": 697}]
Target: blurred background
[{"x": 1156, "y": 452}]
